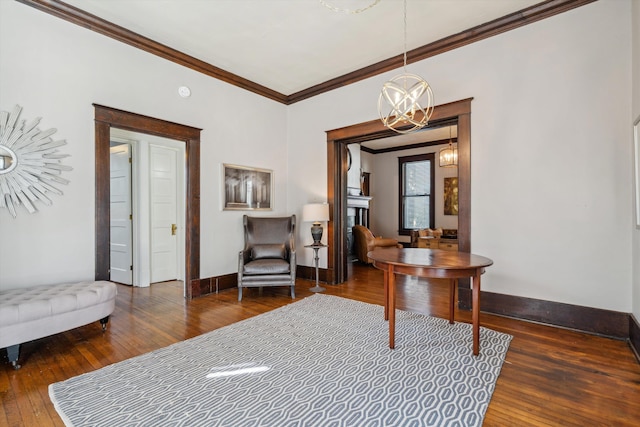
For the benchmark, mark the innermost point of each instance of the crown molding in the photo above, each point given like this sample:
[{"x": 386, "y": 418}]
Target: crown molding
[
  {"x": 509, "y": 22},
  {"x": 99, "y": 25}
]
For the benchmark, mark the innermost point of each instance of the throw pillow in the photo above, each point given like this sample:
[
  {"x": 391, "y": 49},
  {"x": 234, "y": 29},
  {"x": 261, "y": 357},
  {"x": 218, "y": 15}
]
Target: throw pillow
[{"x": 268, "y": 251}]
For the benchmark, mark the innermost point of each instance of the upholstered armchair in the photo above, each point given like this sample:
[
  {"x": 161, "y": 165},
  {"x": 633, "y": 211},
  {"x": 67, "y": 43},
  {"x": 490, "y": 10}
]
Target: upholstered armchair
[
  {"x": 269, "y": 254},
  {"x": 365, "y": 241}
]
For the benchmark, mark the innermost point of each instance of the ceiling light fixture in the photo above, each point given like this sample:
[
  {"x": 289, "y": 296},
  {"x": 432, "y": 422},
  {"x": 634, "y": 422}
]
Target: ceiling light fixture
[
  {"x": 405, "y": 103},
  {"x": 345, "y": 6},
  {"x": 449, "y": 155}
]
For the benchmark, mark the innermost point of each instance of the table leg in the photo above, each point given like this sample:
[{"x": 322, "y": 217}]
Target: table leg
[
  {"x": 392, "y": 307},
  {"x": 453, "y": 286},
  {"x": 476, "y": 313},
  {"x": 386, "y": 294}
]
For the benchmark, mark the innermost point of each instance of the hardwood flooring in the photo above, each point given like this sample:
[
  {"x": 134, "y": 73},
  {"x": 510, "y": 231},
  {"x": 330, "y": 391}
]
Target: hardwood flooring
[{"x": 551, "y": 377}]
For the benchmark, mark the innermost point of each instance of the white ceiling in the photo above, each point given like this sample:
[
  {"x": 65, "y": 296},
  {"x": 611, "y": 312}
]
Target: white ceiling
[
  {"x": 440, "y": 133},
  {"x": 291, "y": 45}
]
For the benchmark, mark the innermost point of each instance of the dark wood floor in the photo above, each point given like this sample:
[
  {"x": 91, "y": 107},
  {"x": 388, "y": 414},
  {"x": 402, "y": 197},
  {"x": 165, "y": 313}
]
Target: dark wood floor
[{"x": 551, "y": 376}]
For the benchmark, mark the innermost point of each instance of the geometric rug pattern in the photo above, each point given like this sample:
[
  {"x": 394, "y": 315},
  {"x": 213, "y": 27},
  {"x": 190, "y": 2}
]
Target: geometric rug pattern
[{"x": 321, "y": 361}]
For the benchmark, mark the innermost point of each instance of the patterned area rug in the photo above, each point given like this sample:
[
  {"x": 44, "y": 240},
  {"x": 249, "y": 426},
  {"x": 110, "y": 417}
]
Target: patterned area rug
[{"x": 322, "y": 361}]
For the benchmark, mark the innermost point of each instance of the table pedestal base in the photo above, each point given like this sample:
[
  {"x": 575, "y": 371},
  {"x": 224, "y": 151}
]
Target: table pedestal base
[{"x": 316, "y": 258}]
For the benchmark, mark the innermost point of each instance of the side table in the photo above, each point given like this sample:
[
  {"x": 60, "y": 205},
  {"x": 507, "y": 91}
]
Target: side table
[{"x": 316, "y": 248}]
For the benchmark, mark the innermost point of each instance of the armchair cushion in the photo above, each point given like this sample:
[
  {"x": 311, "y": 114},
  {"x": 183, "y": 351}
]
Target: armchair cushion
[
  {"x": 267, "y": 266},
  {"x": 385, "y": 242},
  {"x": 268, "y": 251}
]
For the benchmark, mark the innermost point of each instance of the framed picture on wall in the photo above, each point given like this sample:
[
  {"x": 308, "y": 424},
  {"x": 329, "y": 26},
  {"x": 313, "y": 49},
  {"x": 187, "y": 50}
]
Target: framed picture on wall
[
  {"x": 636, "y": 167},
  {"x": 451, "y": 196},
  {"x": 247, "y": 188}
]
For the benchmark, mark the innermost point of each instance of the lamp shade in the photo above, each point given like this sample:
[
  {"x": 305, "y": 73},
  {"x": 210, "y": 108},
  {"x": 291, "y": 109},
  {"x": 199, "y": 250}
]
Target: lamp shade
[{"x": 315, "y": 212}]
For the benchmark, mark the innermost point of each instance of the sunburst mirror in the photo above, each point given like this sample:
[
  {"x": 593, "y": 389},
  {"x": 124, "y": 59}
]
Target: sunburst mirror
[{"x": 30, "y": 164}]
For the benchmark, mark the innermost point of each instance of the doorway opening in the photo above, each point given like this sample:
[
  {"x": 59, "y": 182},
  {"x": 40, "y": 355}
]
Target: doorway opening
[
  {"x": 147, "y": 208},
  {"x": 105, "y": 119},
  {"x": 400, "y": 186},
  {"x": 337, "y": 166}
]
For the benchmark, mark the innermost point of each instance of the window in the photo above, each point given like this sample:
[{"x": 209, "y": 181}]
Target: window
[{"x": 416, "y": 192}]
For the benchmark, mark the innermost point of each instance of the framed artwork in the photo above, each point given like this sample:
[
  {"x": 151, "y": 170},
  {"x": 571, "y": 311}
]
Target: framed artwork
[
  {"x": 247, "y": 188},
  {"x": 451, "y": 196},
  {"x": 636, "y": 167}
]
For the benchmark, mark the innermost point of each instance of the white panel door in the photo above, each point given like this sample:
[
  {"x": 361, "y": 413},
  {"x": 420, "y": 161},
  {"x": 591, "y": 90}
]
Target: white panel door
[
  {"x": 164, "y": 218},
  {"x": 121, "y": 246}
]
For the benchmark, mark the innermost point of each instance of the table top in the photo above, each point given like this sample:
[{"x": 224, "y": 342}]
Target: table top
[{"x": 429, "y": 258}]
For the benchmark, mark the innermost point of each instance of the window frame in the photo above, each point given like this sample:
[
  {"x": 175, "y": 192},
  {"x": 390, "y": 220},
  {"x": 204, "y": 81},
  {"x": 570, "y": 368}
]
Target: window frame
[{"x": 410, "y": 159}]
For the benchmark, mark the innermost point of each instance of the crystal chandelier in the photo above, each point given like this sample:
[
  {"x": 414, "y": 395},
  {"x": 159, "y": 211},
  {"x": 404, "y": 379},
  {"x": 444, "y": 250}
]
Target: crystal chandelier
[
  {"x": 449, "y": 155},
  {"x": 405, "y": 103}
]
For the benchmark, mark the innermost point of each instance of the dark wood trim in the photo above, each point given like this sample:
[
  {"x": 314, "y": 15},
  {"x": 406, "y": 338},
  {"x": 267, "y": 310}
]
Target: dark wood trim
[
  {"x": 409, "y": 146},
  {"x": 226, "y": 281},
  {"x": 337, "y": 200},
  {"x": 634, "y": 336},
  {"x": 338, "y": 139},
  {"x": 107, "y": 117},
  {"x": 102, "y": 201},
  {"x": 509, "y": 22},
  {"x": 203, "y": 286},
  {"x": 506, "y": 23},
  {"x": 309, "y": 273},
  {"x": 99, "y": 25},
  {"x": 597, "y": 321}
]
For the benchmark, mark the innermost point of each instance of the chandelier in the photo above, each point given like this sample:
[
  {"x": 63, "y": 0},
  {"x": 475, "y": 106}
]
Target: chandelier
[
  {"x": 405, "y": 103},
  {"x": 449, "y": 155}
]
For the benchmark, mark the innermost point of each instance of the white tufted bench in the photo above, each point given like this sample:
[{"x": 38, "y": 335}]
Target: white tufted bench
[{"x": 30, "y": 313}]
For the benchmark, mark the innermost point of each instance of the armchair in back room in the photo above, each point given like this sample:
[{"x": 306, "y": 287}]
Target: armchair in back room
[{"x": 365, "y": 241}]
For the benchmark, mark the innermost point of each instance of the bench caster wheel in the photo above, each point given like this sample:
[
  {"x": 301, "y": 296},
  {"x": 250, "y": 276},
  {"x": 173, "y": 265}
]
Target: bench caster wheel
[
  {"x": 13, "y": 352},
  {"x": 104, "y": 322}
]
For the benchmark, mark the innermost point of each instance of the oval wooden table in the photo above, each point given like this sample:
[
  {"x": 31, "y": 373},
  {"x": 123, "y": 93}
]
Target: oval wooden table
[{"x": 430, "y": 263}]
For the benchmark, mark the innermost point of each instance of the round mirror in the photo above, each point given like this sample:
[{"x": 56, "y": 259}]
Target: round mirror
[{"x": 8, "y": 160}]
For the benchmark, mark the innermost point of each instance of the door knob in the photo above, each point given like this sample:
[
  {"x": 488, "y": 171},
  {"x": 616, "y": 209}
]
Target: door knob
[{"x": 174, "y": 227}]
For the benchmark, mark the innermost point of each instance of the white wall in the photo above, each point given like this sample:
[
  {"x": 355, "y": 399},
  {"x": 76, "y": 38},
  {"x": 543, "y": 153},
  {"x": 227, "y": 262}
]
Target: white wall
[
  {"x": 385, "y": 189},
  {"x": 551, "y": 175},
  {"x": 354, "y": 172},
  {"x": 635, "y": 17},
  {"x": 56, "y": 70},
  {"x": 550, "y": 170}
]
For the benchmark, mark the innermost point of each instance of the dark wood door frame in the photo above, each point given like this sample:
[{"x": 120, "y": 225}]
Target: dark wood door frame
[
  {"x": 337, "y": 141},
  {"x": 105, "y": 119}
]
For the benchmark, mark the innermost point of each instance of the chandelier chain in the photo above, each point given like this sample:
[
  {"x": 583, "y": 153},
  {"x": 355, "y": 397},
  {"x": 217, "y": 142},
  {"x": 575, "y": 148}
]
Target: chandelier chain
[{"x": 404, "y": 66}]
